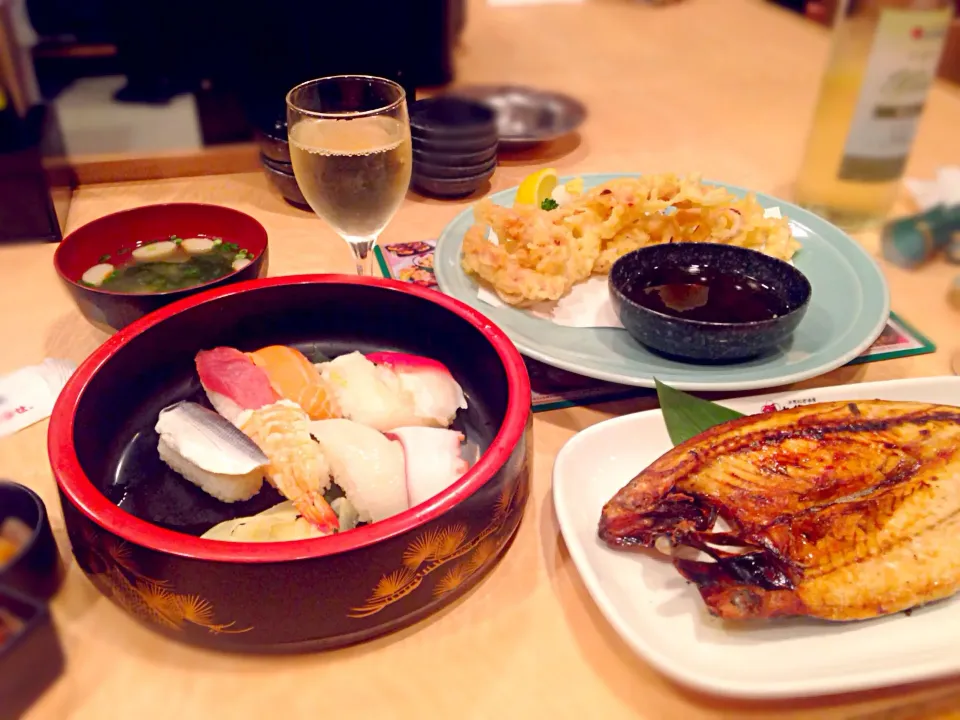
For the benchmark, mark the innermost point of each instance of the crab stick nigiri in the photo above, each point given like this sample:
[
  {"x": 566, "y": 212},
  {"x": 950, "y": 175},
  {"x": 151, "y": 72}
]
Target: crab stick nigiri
[
  {"x": 436, "y": 395},
  {"x": 432, "y": 460},
  {"x": 232, "y": 382},
  {"x": 297, "y": 379}
]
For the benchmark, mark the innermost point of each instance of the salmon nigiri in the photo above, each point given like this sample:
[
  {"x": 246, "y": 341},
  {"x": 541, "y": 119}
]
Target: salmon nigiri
[
  {"x": 232, "y": 382},
  {"x": 298, "y": 469},
  {"x": 295, "y": 378}
]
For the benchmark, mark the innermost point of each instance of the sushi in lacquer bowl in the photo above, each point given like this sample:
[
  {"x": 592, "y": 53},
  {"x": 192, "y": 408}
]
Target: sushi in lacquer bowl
[{"x": 294, "y": 463}]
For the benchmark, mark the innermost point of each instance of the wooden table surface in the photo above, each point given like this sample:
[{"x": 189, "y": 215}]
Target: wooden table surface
[{"x": 719, "y": 86}]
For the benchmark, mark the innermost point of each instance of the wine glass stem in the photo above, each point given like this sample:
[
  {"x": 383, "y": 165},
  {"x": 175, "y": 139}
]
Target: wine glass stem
[{"x": 363, "y": 254}]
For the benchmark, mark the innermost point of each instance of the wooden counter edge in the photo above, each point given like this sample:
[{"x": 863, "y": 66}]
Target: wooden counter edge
[{"x": 127, "y": 167}]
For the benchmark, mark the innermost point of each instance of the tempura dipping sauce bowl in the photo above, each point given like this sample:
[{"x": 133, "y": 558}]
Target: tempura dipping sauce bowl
[
  {"x": 721, "y": 339},
  {"x": 147, "y": 556}
]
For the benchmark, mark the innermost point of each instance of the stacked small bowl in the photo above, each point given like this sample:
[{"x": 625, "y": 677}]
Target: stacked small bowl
[{"x": 454, "y": 146}]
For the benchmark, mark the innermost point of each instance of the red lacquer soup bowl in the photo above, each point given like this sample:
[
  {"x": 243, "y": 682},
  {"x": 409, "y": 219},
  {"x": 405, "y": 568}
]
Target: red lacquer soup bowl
[
  {"x": 113, "y": 237},
  {"x": 134, "y": 524}
]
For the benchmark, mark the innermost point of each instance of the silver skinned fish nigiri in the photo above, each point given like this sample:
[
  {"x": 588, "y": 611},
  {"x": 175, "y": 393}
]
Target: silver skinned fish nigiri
[{"x": 210, "y": 452}]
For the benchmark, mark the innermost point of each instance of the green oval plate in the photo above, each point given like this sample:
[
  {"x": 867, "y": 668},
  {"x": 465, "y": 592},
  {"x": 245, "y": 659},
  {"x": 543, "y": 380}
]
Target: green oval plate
[{"x": 848, "y": 309}]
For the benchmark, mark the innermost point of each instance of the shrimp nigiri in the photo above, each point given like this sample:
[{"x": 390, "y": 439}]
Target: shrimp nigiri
[
  {"x": 298, "y": 468},
  {"x": 295, "y": 378},
  {"x": 232, "y": 382}
]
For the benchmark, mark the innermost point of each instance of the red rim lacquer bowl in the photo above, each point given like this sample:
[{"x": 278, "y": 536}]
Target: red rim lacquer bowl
[
  {"x": 133, "y": 524},
  {"x": 85, "y": 246}
]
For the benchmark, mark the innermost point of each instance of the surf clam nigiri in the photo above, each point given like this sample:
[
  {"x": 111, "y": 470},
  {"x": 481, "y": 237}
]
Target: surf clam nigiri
[
  {"x": 233, "y": 382},
  {"x": 295, "y": 378},
  {"x": 404, "y": 390},
  {"x": 209, "y": 452},
  {"x": 367, "y": 465},
  {"x": 436, "y": 395},
  {"x": 432, "y": 460},
  {"x": 298, "y": 468}
]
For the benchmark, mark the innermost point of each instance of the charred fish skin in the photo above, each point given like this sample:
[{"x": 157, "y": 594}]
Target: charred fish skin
[{"x": 846, "y": 511}]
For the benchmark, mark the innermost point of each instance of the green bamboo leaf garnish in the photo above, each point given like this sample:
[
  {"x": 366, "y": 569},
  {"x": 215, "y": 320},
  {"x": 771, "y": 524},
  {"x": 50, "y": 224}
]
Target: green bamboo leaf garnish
[{"x": 686, "y": 415}]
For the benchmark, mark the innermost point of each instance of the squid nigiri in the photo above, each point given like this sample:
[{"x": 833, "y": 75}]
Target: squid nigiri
[
  {"x": 368, "y": 466},
  {"x": 295, "y": 378},
  {"x": 432, "y": 460},
  {"x": 232, "y": 382},
  {"x": 436, "y": 396},
  {"x": 298, "y": 468}
]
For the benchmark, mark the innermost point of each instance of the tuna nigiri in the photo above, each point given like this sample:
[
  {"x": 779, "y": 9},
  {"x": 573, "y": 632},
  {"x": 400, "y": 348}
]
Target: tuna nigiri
[
  {"x": 436, "y": 396},
  {"x": 432, "y": 460},
  {"x": 368, "y": 466},
  {"x": 211, "y": 453},
  {"x": 295, "y": 378},
  {"x": 298, "y": 468},
  {"x": 232, "y": 382}
]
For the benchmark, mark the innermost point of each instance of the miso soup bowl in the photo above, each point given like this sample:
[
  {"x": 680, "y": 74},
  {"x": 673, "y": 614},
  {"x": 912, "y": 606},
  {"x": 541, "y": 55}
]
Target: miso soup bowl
[
  {"x": 147, "y": 556},
  {"x": 85, "y": 246}
]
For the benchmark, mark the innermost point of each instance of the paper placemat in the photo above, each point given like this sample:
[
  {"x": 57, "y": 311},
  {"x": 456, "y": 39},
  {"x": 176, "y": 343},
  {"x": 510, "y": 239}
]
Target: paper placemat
[{"x": 554, "y": 388}]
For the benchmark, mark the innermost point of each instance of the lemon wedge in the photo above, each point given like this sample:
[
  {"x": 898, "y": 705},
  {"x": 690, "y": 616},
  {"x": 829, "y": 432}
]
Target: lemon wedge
[{"x": 536, "y": 187}]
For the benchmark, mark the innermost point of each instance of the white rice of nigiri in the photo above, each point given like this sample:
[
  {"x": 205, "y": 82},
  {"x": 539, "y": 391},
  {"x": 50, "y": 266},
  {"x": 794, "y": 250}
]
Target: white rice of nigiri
[
  {"x": 228, "y": 488},
  {"x": 369, "y": 467},
  {"x": 369, "y": 394}
]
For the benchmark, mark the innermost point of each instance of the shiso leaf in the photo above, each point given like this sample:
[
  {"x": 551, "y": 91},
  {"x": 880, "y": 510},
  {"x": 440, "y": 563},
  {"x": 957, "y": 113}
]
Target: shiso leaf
[{"x": 687, "y": 416}]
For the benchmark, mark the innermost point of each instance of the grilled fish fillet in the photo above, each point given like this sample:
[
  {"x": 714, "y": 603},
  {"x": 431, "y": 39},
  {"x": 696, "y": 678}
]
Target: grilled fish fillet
[{"x": 841, "y": 511}]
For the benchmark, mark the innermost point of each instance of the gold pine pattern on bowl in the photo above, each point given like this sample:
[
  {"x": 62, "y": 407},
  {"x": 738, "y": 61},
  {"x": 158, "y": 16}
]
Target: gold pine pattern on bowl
[{"x": 438, "y": 547}]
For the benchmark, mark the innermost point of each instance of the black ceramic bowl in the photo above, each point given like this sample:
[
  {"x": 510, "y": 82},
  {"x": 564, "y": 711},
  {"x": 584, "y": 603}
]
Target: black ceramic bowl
[
  {"x": 455, "y": 160},
  {"x": 450, "y": 187},
  {"x": 455, "y": 146},
  {"x": 424, "y": 169},
  {"x": 271, "y": 137},
  {"x": 702, "y": 341},
  {"x": 85, "y": 247},
  {"x": 36, "y": 570},
  {"x": 283, "y": 179},
  {"x": 31, "y": 658},
  {"x": 450, "y": 118},
  {"x": 134, "y": 524}
]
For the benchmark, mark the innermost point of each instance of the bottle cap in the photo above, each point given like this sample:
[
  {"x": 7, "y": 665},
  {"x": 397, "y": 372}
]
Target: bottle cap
[{"x": 908, "y": 242}]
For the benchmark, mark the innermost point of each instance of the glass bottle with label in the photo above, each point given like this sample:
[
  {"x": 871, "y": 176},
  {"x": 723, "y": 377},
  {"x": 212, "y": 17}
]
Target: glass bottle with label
[{"x": 883, "y": 61}]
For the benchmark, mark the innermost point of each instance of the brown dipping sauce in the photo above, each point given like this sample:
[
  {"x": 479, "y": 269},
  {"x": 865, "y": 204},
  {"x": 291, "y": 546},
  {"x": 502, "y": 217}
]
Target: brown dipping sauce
[{"x": 699, "y": 292}]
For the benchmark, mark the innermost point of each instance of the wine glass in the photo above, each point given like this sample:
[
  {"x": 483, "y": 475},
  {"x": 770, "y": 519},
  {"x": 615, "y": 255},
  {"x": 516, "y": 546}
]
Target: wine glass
[{"x": 349, "y": 141}]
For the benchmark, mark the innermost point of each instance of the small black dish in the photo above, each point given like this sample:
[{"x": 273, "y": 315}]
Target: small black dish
[
  {"x": 442, "y": 172},
  {"x": 448, "y": 118},
  {"x": 454, "y": 160},
  {"x": 698, "y": 340},
  {"x": 36, "y": 569},
  {"x": 31, "y": 658},
  {"x": 465, "y": 145},
  {"x": 281, "y": 174},
  {"x": 449, "y": 187}
]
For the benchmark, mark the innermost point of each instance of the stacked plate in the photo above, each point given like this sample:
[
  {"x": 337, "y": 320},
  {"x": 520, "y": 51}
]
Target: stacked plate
[{"x": 454, "y": 146}]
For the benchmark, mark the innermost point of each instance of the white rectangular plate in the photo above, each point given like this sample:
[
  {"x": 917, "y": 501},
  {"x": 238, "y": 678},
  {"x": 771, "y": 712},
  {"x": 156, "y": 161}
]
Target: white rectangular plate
[{"x": 663, "y": 618}]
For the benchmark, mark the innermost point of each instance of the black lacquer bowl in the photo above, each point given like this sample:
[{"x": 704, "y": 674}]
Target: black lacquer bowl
[
  {"x": 134, "y": 525},
  {"x": 697, "y": 340}
]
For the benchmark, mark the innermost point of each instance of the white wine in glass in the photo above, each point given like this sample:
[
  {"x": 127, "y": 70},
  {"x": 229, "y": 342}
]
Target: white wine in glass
[{"x": 350, "y": 146}]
